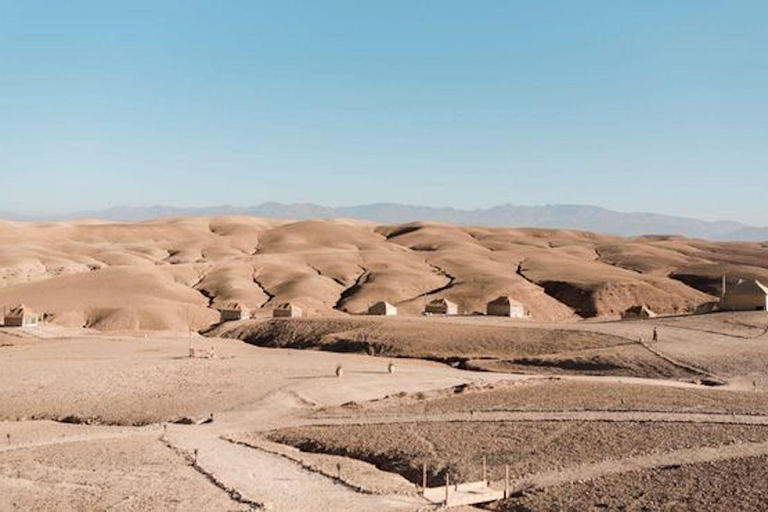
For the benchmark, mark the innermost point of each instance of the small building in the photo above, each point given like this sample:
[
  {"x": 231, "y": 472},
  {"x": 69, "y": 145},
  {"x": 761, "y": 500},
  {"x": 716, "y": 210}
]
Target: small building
[
  {"x": 745, "y": 295},
  {"x": 637, "y": 312},
  {"x": 234, "y": 313},
  {"x": 442, "y": 306},
  {"x": 382, "y": 308},
  {"x": 21, "y": 316},
  {"x": 506, "y": 306},
  {"x": 707, "y": 307},
  {"x": 287, "y": 310}
]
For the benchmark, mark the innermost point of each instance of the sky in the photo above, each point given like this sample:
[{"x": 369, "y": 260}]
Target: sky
[{"x": 657, "y": 106}]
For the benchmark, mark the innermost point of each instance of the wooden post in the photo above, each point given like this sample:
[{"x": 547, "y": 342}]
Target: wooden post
[
  {"x": 485, "y": 470},
  {"x": 424, "y": 478},
  {"x": 447, "y": 488},
  {"x": 506, "y": 481},
  {"x": 723, "y": 289}
]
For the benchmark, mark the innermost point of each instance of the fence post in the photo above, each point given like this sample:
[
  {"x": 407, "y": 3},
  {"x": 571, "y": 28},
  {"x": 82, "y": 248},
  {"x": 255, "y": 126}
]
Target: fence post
[
  {"x": 447, "y": 488},
  {"x": 424, "y": 478},
  {"x": 506, "y": 481},
  {"x": 485, "y": 470}
]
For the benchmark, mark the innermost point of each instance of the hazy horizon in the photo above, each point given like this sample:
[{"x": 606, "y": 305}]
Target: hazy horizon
[
  {"x": 52, "y": 215},
  {"x": 632, "y": 107}
]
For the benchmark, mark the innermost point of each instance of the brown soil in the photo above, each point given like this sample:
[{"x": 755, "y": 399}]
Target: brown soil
[
  {"x": 134, "y": 473},
  {"x": 619, "y": 361},
  {"x": 740, "y": 484},
  {"x": 528, "y": 447},
  {"x": 519, "y": 349},
  {"x": 564, "y": 395},
  {"x": 419, "y": 338}
]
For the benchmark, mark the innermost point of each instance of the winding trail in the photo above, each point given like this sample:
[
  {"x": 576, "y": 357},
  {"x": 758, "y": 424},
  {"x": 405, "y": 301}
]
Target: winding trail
[
  {"x": 673, "y": 325},
  {"x": 680, "y": 364},
  {"x": 104, "y": 433},
  {"x": 261, "y": 478},
  {"x": 275, "y": 482}
]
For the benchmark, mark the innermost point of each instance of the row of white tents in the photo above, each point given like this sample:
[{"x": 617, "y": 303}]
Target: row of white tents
[{"x": 502, "y": 306}]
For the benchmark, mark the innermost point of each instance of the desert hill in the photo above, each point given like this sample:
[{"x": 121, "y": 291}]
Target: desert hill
[{"x": 174, "y": 273}]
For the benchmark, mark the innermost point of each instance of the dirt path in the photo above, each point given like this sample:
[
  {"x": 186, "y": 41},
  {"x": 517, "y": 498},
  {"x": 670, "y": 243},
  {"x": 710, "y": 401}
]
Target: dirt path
[
  {"x": 272, "y": 480},
  {"x": 103, "y": 433},
  {"x": 283, "y": 386}
]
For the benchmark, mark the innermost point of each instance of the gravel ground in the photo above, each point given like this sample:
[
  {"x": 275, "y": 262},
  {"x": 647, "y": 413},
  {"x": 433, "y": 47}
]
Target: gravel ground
[
  {"x": 565, "y": 395},
  {"x": 528, "y": 447},
  {"x": 740, "y": 484},
  {"x": 132, "y": 473}
]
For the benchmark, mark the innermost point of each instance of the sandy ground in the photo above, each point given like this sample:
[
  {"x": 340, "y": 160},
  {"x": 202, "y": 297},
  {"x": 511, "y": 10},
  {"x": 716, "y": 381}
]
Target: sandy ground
[
  {"x": 133, "y": 380},
  {"x": 118, "y": 421}
]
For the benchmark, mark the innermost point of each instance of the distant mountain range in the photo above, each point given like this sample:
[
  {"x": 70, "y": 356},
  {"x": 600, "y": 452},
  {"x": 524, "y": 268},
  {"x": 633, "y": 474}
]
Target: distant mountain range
[{"x": 589, "y": 218}]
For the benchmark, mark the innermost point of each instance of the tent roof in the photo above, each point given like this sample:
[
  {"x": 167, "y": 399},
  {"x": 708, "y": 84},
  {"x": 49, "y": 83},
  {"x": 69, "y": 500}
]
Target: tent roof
[
  {"x": 506, "y": 299},
  {"x": 745, "y": 285},
  {"x": 287, "y": 305},
  {"x": 639, "y": 308},
  {"x": 442, "y": 300},
  {"x": 235, "y": 306},
  {"x": 21, "y": 310}
]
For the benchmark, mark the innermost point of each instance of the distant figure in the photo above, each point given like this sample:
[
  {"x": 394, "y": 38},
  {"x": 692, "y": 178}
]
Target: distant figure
[
  {"x": 655, "y": 334},
  {"x": 9, "y": 438},
  {"x": 391, "y": 368},
  {"x": 339, "y": 371}
]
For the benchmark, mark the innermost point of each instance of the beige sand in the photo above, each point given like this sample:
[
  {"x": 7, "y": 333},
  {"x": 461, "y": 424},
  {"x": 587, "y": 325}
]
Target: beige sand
[{"x": 173, "y": 273}]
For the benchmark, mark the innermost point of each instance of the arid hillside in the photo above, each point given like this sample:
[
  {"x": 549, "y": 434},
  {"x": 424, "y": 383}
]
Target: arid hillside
[{"x": 174, "y": 273}]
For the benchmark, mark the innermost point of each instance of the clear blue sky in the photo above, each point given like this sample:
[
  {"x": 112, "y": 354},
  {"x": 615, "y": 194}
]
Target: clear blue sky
[{"x": 637, "y": 106}]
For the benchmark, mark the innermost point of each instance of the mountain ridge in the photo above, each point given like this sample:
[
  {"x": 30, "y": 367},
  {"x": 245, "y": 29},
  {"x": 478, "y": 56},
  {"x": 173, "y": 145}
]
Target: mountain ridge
[{"x": 555, "y": 216}]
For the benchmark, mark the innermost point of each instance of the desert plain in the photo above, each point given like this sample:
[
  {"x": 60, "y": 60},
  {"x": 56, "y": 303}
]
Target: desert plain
[{"x": 569, "y": 408}]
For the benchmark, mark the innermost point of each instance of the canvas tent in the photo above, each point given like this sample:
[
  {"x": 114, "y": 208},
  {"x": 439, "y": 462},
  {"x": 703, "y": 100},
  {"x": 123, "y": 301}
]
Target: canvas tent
[
  {"x": 21, "y": 316},
  {"x": 382, "y": 308},
  {"x": 638, "y": 312},
  {"x": 287, "y": 310},
  {"x": 745, "y": 295},
  {"x": 506, "y": 306},
  {"x": 234, "y": 312},
  {"x": 442, "y": 307}
]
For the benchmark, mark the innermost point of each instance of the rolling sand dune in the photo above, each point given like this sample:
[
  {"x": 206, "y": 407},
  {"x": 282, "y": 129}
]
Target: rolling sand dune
[{"x": 175, "y": 273}]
